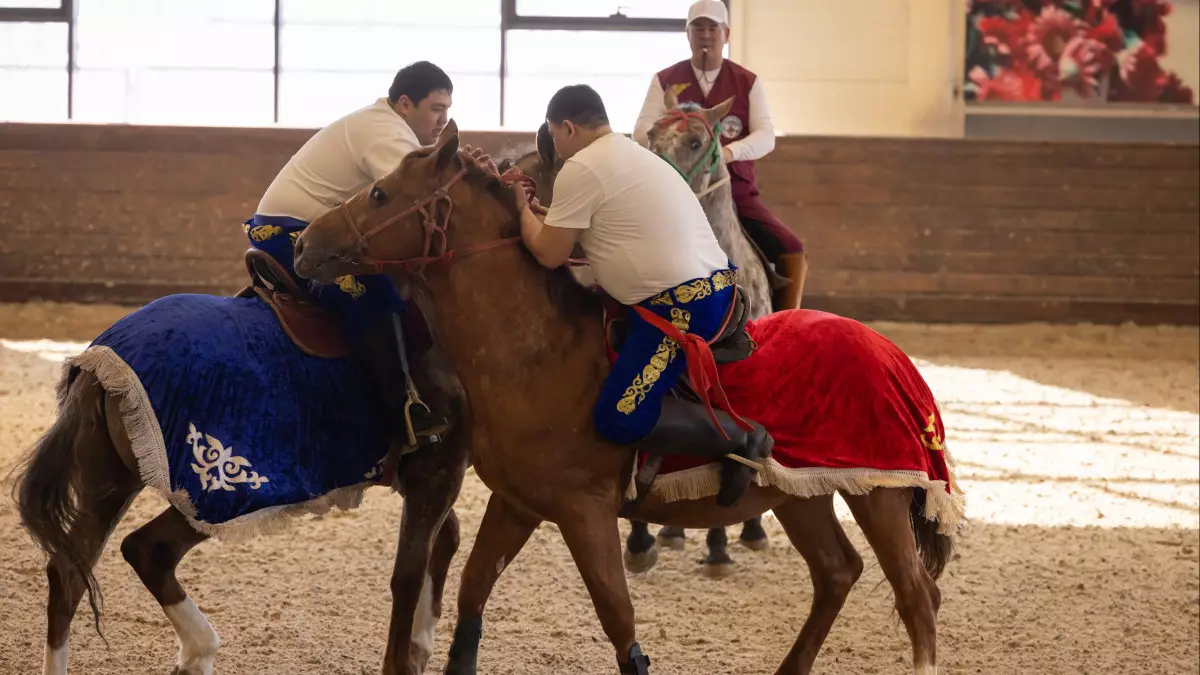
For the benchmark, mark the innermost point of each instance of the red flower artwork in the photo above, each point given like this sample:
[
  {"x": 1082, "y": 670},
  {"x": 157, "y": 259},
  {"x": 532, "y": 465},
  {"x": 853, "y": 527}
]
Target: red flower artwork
[{"x": 1037, "y": 50}]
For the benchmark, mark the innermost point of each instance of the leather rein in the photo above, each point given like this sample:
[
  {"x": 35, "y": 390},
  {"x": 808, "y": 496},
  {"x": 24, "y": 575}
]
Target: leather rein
[{"x": 434, "y": 220}]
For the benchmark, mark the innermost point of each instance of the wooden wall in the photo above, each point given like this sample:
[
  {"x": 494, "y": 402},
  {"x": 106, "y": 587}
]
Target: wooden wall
[{"x": 901, "y": 229}]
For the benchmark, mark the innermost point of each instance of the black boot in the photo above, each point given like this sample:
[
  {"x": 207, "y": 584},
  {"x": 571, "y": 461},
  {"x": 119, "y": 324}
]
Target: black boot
[{"x": 685, "y": 428}]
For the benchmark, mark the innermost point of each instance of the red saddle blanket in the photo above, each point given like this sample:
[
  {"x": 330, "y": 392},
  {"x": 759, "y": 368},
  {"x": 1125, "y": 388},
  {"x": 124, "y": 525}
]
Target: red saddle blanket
[{"x": 848, "y": 411}]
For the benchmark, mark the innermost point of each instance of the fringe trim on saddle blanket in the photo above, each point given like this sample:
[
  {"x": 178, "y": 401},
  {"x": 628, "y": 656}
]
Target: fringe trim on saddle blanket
[
  {"x": 149, "y": 449},
  {"x": 945, "y": 508}
]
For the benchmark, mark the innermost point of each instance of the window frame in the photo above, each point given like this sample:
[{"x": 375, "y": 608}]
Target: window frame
[
  {"x": 65, "y": 13},
  {"x": 510, "y": 19}
]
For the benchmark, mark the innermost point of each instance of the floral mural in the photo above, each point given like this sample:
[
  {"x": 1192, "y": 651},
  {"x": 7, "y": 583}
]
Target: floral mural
[{"x": 1051, "y": 50}]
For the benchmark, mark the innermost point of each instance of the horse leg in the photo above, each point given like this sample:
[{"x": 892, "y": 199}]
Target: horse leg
[
  {"x": 883, "y": 514},
  {"x": 753, "y": 536},
  {"x": 154, "y": 551},
  {"x": 418, "y": 575},
  {"x": 717, "y": 563},
  {"x": 641, "y": 549},
  {"x": 671, "y": 537},
  {"x": 592, "y": 537},
  {"x": 74, "y": 488},
  {"x": 502, "y": 535},
  {"x": 834, "y": 565},
  {"x": 100, "y": 509}
]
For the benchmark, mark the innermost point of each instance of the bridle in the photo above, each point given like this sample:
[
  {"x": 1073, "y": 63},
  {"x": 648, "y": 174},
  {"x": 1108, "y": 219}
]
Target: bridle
[
  {"x": 710, "y": 161},
  {"x": 429, "y": 208}
]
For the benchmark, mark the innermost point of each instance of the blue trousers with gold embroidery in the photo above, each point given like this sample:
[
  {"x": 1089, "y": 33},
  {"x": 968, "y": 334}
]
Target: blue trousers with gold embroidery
[
  {"x": 649, "y": 364},
  {"x": 361, "y": 301}
]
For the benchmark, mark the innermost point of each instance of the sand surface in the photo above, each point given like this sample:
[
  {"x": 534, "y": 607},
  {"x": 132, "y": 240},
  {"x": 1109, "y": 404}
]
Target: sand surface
[{"x": 1077, "y": 448}]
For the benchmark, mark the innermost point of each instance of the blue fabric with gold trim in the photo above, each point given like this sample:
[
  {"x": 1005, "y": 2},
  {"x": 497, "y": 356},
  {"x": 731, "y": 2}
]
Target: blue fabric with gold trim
[
  {"x": 361, "y": 300},
  {"x": 649, "y": 364},
  {"x": 248, "y": 421}
]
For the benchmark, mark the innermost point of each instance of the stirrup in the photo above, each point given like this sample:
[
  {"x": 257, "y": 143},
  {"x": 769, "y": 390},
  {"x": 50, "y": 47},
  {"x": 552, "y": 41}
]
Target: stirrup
[{"x": 432, "y": 434}]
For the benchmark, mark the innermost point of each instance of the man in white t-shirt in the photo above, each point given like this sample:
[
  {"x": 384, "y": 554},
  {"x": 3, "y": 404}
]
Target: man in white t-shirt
[
  {"x": 649, "y": 244},
  {"x": 332, "y": 166}
]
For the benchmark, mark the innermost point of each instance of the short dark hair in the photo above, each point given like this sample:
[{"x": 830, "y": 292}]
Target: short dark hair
[
  {"x": 418, "y": 80},
  {"x": 578, "y": 103}
]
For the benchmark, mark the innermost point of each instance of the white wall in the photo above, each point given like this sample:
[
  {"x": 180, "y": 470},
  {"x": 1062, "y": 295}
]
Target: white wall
[{"x": 855, "y": 67}]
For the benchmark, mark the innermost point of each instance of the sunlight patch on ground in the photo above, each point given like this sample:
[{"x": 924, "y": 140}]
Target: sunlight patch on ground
[
  {"x": 54, "y": 351},
  {"x": 1037, "y": 454}
]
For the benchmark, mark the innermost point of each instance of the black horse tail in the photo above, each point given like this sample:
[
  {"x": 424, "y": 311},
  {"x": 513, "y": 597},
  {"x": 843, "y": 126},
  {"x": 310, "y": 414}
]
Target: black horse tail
[
  {"x": 49, "y": 484},
  {"x": 934, "y": 547}
]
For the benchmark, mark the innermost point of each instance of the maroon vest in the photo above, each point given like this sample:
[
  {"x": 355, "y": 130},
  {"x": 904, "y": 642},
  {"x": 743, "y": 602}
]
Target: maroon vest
[{"x": 733, "y": 80}]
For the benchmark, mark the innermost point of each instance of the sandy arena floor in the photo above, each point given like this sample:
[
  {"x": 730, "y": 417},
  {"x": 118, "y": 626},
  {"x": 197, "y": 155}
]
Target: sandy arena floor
[{"x": 1077, "y": 450}]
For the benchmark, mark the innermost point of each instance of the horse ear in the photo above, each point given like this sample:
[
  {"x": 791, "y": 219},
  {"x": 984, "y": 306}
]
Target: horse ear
[
  {"x": 545, "y": 146},
  {"x": 719, "y": 111},
  {"x": 447, "y": 146},
  {"x": 670, "y": 99}
]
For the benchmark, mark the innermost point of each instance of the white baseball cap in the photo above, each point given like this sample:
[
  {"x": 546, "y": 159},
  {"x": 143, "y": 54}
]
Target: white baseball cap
[{"x": 709, "y": 9}]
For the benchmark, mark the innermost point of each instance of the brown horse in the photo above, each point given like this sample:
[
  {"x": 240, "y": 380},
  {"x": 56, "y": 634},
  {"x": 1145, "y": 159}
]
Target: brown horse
[
  {"x": 693, "y": 149},
  {"x": 76, "y": 483},
  {"x": 532, "y": 366}
]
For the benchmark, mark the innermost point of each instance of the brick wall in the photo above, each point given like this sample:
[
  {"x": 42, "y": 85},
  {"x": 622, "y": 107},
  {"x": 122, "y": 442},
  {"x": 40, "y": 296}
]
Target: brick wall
[{"x": 906, "y": 229}]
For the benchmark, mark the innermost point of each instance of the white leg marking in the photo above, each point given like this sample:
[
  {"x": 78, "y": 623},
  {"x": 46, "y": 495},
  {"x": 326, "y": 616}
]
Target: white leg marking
[
  {"x": 424, "y": 627},
  {"x": 198, "y": 642},
  {"x": 56, "y": 661},
  {"x": 926, "y": 669}
]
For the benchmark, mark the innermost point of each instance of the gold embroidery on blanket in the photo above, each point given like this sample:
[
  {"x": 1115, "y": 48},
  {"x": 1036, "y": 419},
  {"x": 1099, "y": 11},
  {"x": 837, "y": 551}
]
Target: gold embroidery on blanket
[
  {"x": 219, "y": 468},
  {"x": 930, "y": 437},
  {"x": 663, "y": 298},
  {"x": 664, "y": 355}
]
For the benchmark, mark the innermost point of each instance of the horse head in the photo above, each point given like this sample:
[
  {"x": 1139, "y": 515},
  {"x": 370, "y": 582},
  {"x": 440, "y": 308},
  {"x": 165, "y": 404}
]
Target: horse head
[
  {"x": 439, "y": 202},
  {"x": 688, "y": 137}
]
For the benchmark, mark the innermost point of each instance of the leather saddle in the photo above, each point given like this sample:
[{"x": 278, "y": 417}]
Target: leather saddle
[{"x": 313, "y": 329}]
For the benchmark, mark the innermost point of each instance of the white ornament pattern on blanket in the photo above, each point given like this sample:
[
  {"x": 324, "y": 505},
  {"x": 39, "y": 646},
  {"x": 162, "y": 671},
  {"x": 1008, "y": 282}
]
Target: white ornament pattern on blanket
[{"x": 228, "y": 469}]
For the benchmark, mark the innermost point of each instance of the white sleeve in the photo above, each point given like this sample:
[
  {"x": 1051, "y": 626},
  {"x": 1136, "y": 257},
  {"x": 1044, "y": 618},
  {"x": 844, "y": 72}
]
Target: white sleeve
[
  {"x": 652, "y": 110},
  {"x": 385, "y": 154},
  {"x": 761, "y": 139},
  {"x": 578, "y": 194}
]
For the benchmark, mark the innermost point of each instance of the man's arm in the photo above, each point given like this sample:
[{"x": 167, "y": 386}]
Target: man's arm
[
  {"x": 385, "y": 154},
  {"x": 761, "y": 139},
  {"x": 652, "y": 111},
  {"x": 577, "y": 195},
  {"x": 551, "y": 245}
]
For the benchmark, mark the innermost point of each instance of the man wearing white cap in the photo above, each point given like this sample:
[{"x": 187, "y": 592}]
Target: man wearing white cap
[{"x": 707, "y": 78}]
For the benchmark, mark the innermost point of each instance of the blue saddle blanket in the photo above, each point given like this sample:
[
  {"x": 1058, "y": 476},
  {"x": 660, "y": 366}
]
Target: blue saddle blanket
[{"x": 249, "y": 423}]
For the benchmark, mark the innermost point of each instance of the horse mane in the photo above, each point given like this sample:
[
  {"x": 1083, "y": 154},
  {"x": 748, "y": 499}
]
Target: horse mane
[
  {"x": 571, "y": 300},
  {"x": 690, "y": 107}
]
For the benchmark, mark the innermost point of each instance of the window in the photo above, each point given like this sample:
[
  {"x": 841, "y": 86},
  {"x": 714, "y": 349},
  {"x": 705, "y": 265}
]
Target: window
[
  {"x": 197, "y": 63},
  {"x": 33, "y": 72},
  {"x": 338, "y": 57},
  {"x": 617, "y": 65},
  {"x": 634, "y": 9}
]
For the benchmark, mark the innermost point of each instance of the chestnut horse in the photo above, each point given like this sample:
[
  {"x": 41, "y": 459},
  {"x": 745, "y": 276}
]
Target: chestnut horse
[
  {"x": 533, "y": 366},
  {"x": 686, "y": 138},
  {"x": 76, "y": 483}
]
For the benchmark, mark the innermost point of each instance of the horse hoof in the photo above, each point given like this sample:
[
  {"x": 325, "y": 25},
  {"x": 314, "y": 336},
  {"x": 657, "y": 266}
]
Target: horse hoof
[
  {"x": 756, "y": 544},
  {"x": 673, "y": 543},
  {"x": 641, "y": 562},
  {"x": 717, "y": 570}
]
